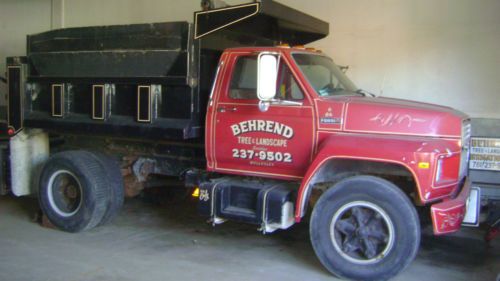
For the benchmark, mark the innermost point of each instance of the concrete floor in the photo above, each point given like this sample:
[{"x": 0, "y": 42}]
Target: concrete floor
[{"x": 157, "y": 241}]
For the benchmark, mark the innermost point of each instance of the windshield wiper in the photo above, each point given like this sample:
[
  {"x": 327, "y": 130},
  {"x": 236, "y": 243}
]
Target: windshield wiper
[{"x": 364, "y": 92}]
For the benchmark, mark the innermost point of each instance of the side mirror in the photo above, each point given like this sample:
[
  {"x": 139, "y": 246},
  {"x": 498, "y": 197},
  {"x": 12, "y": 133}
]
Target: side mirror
[{"x": 267, "y": 74}]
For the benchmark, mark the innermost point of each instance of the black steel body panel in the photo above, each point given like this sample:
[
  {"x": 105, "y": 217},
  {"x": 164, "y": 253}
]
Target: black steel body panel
[
  {"x": 170, "y": 35},
  {"x": 112, "y": 64},
  {"x": 116, "y": 126},
  {"x": 136, "y": 50}
]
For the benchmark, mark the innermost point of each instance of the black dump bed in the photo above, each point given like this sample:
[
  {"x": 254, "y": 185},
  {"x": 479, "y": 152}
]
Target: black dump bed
[
  {"x": 150, "y": 81},
  {"x": 128, "y": 80}
]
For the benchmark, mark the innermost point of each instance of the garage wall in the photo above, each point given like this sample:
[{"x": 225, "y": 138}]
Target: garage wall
[
  {"x": 438, "y": 51},
  {"x": 18, "y": 18},
  {"x": 127, "y": 11}
]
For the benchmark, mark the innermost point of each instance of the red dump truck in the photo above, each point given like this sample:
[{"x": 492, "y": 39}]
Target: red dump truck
[{"x": 262, "y": 132}]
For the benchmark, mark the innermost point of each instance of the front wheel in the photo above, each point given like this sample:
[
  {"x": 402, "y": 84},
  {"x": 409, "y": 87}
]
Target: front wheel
[{"x": 365, "y": 228}]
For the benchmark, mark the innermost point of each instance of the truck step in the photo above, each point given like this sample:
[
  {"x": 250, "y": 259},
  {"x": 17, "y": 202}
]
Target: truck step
[{"x": 268, "y": 204}]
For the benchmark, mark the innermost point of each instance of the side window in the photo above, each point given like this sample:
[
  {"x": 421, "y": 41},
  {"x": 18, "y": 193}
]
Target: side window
[
  {"x": 244, "y": 80},
  {"x": 288, "y": 89}
]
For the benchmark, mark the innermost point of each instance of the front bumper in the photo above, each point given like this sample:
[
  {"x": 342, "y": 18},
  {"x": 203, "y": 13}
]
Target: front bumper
[{"x": 448, "y": 215}]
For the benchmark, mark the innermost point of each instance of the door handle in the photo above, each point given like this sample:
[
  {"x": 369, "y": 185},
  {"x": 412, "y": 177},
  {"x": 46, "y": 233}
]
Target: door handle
[{"x": 224, "y": 109}]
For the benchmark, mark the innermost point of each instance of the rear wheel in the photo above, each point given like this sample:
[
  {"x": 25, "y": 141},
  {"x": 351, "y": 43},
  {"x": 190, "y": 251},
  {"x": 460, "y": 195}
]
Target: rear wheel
[
  {"x": 365, "y": 228},
  {"x": 116, "y": 192},
  {"x": 73, "y": 190}
]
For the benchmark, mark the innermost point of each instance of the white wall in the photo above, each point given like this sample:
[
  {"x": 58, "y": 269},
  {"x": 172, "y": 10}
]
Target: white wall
[
  {"x": 103, "y": 12},
  {"x": 438, "y": 51},
  {"x": 18, "y": 18}
]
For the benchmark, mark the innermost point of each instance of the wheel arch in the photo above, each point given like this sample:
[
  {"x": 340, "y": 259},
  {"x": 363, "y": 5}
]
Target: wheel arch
[{"x": 332, "y": 169}]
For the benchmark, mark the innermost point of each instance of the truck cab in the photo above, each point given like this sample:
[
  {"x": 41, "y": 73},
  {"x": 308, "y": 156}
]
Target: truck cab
[
  {"x": 317, "y": 116},
  {"x": 291, "y": 115}
]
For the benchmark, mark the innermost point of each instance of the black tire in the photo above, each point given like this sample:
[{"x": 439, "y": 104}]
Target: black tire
[
  {"x": 73, "y": 190},
  {"x": 116, "y": 192},
  {"x": 351, "y": 248}
]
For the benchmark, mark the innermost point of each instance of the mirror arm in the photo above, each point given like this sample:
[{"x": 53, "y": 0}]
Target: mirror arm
[{"x": 264, "y": 106}]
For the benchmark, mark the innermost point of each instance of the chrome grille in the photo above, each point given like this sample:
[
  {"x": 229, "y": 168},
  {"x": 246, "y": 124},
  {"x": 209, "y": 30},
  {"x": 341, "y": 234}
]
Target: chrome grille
[{"x": 465, "y": 142}]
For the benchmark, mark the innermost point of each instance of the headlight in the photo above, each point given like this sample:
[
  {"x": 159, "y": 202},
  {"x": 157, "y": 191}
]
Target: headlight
[{"x": 446, "y": 171}]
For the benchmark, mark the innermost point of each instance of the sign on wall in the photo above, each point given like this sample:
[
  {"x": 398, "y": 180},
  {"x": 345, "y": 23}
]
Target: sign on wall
[{"x": 485, "y": 154}]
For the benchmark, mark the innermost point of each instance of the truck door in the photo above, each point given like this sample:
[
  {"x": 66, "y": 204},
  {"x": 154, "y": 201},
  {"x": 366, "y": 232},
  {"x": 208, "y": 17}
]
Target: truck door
[{"x": 245, "y": 140}]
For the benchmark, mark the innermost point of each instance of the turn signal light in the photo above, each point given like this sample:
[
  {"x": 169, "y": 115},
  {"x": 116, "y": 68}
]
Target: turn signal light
[
  {"x": 196, "y": 192},
  {"x": 423, "y": 165}
]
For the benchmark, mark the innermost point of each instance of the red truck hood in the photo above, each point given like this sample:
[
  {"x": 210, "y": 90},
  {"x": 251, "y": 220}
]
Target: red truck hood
[{"x": 397, "y": 116}]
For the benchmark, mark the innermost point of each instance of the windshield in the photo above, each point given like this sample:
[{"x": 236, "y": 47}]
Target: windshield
[{"x": 324, "y": 76}]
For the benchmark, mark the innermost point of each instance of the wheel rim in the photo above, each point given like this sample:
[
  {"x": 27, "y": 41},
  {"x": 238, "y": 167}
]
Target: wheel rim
[
  {"x": 362, "y": 232},
  {"x": 64, "y": 193}
]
